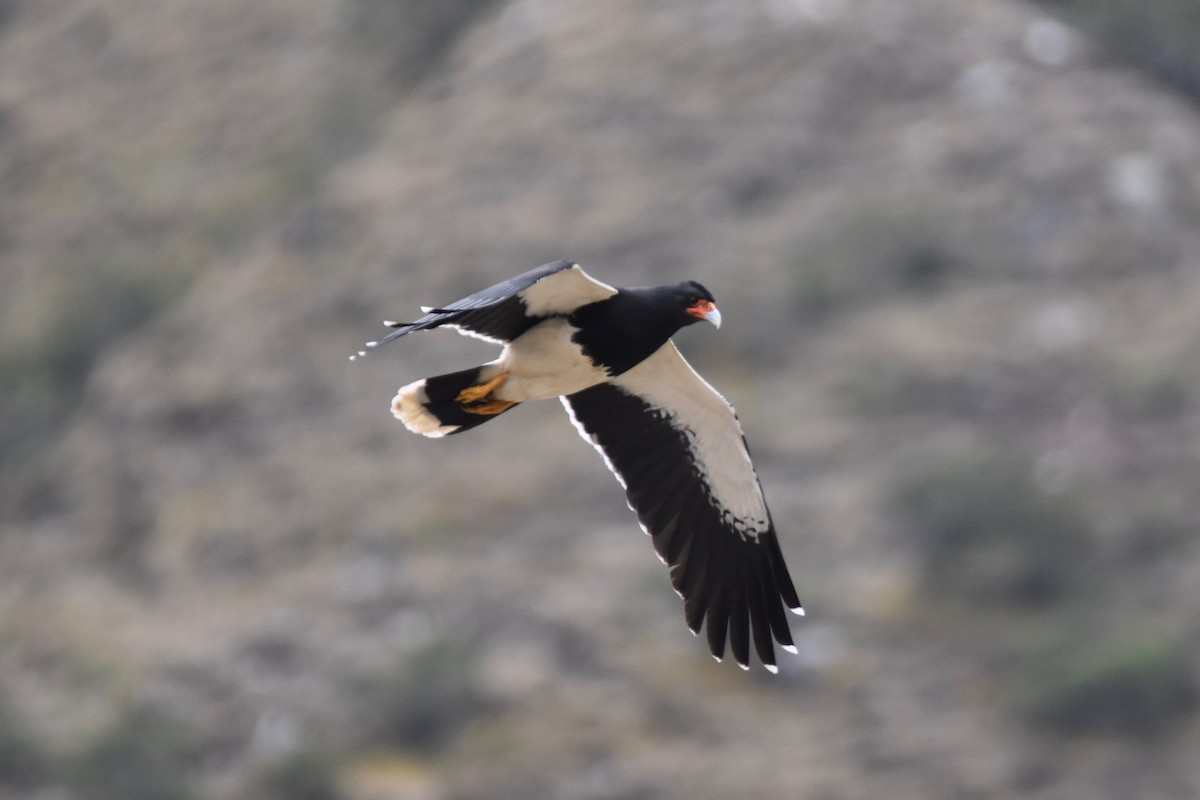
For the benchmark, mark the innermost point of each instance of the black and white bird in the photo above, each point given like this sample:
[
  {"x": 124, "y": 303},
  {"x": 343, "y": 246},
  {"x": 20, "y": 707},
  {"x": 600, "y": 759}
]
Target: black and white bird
[{"x": 673, "y": 442}]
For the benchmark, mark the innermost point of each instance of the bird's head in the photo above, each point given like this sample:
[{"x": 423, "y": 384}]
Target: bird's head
[{"x": 698, "y": 304}]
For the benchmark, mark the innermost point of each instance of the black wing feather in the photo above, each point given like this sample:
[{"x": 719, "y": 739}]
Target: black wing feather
[
  {"x": 777, "y": 619},
  {"x": 733, "y": 582},
  {"x": 760, "y": 624},
  {"x": 717, "y": 622},
  {"x": 496, "y": 312},
  {"x": 739, "y": 626}
]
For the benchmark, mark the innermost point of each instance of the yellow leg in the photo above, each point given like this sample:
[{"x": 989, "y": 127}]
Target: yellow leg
[
  {"x": 473, "y": 394},
  {"x": 488, "y": 407},
  {"x": 479, "y": 400}
]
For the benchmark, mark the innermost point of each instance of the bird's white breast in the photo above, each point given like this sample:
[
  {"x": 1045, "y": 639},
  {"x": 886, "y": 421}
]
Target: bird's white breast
[{"x": 544, "y": 363}]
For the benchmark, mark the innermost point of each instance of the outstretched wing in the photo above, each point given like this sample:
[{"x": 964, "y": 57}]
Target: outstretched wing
[
  {"x": 676, "y": 446},
  {"x": 503, "y": 312}
]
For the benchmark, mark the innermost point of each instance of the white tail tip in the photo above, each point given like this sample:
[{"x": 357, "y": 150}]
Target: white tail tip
[{"x": 408, "y": 406}]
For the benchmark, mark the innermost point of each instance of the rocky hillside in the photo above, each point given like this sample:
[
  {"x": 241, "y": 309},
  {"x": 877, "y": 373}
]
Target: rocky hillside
[{"x": 955, "y": 248}]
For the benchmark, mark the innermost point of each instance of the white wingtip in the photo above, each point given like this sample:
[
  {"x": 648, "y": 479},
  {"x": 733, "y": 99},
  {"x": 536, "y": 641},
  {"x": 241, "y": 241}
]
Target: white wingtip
[
  {"x": 717, "y": 659},
  {"x": 745, "y": 667},
  {"x": 791, "y": 648},
  {"x": 426, "y": 309},
  {"x": 354, "y": 357},
  {"x": 391, "y": 323},
  {"x": 372, "y": 344},
  {"x": 798, "y": 611},
  {"x": 771, "y": 668}
]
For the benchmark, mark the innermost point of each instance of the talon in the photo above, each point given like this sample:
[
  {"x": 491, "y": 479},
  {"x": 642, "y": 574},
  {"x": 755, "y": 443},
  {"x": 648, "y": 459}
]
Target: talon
[
  {"x": 474, "y": 394},
  {"x": 488, "y": 407}
]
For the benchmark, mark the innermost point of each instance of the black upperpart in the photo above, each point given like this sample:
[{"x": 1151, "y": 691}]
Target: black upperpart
[{"x": 622, "y": 331}]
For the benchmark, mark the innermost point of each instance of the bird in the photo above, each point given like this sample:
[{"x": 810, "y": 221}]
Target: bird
[{"x": 672, "y": 441}]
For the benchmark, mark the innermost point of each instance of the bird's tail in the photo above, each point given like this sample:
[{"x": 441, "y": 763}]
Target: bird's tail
[{"x": 450, "y": 403}]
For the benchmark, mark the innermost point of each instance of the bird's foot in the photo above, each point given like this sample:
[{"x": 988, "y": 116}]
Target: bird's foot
[
  {"x": 479, "y": 400},
  {"x": 473, "y": 394},
  {"x": 488, "y": 407}
]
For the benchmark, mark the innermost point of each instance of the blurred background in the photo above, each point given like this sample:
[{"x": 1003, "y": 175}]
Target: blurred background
[{"x": 956, "y": 249}]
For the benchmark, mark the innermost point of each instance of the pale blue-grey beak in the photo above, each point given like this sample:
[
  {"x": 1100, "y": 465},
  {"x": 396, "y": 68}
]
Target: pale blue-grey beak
[{"x": 707, "y": 311}]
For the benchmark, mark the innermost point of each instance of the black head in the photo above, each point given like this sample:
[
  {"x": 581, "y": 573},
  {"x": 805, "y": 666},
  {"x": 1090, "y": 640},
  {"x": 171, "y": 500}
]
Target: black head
[
  {"x": 628, "y": 327},
  {"x": 666, "y": 309},
  {"x": 697, "y": 303}
]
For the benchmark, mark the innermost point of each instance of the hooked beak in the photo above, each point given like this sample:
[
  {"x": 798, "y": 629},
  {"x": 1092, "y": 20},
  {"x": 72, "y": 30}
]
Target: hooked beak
[{"x": 707, "y": 311}]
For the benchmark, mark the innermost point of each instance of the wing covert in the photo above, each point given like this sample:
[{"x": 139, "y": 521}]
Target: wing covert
[{"x": 503, "y": 312}]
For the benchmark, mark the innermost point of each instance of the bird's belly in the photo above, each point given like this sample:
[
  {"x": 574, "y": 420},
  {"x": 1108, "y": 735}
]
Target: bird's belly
[{"x": 544, "y": 363}]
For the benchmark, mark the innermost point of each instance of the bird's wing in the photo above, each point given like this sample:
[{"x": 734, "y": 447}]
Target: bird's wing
[
  {"x": 676, "y": 446},
  {"x": 503, "y": 312}
]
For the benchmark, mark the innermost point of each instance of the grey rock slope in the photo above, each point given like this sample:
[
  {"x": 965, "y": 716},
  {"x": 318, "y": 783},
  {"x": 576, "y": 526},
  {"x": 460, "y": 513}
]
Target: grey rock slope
[{"x": 956, "y": 255}]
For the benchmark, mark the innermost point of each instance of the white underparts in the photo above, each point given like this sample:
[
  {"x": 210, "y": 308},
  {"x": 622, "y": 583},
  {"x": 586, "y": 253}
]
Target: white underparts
[
  {"x": 541, "y": 364},
  {"x": 544, "y": 363}
]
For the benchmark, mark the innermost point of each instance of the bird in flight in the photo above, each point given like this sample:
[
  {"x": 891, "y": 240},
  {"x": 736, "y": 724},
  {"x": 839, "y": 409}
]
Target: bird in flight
[{"x": 672, "y": 441}]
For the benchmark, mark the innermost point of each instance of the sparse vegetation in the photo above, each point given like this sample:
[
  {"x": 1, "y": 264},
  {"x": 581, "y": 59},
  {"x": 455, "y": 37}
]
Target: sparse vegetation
[
  {"x": 987, "y": 533},
  {"x": 305, "y": 774},
  {"x": 424, "y": 704},
  {"x": 1148, "y": 389},
  {"x": 410, "y": 36},
  {"x": 1156, "y": 534},
  {"x": 1158, "y": 36},
  {"x": 874, "y": 251},
  {"x": 47, "y": 354},
  {"x": 23, "y": 761},
  {"x": 1139, "y": 688},
  {"x": 141, "y": 756}
]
